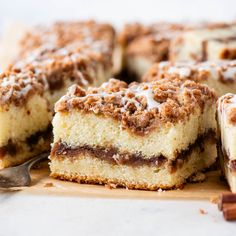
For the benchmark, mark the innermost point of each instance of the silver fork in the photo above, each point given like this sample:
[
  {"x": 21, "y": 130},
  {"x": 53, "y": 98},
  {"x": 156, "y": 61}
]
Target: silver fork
[{"x": 19, "y": 176}]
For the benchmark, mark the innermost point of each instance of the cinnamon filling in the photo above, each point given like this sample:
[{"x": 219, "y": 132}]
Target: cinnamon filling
[
  {"x": 13, "y": 149},
  {"x": 112, "y": 155}
]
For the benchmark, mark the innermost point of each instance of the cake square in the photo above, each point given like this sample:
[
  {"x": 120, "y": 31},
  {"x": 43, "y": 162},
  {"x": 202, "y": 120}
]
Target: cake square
[
  {"x": 226, "y": 113},
  {"x": 219, "y": 75},
  {"x": 25, "y": 117},
  {"x": 141, "y": 136}
]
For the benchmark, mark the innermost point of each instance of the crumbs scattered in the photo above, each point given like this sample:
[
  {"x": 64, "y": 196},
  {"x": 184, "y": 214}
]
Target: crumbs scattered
[
  {"x": 48, "y": 185},
  {"x": 202, "y": 211},
  {"x": 160, "y": 190},
  {"x": 214, "y": 200},
  {"x": 198, "y": 177},
  {"x": 110, "y": 186}
]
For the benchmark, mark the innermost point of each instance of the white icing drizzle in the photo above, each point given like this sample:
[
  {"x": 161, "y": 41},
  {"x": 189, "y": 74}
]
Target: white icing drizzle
[
  {"x": 18, "y": 85},
  {"x": 137, "y": 90},
  {"x": 147, "y": 93},
  {"x": 77, "y": 71},
  {"x": 233, "y": 101},
  {"x": 182, "y": 71},
  {"x": 226, "y": 69}
]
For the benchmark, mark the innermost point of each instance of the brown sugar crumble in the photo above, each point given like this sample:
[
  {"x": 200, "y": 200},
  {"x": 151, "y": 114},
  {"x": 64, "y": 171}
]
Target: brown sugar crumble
[{"x": 202, "y": 211}]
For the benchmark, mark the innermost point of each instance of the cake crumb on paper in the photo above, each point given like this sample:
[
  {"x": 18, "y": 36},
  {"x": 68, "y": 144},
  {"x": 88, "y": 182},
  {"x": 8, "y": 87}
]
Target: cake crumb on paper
[
  {"x": 48, "y": 185},
  {"x": 202, "y": 211},
  {"x": 214, "y": 200}
]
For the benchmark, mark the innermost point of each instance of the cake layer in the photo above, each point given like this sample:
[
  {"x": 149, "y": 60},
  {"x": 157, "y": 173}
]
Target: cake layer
[
  {"x": 227, "y": 123},
  {"x": 85, "y": 167},
  {"x": 145, "y": 118},
  {"x": 115, "y": 155},
  {"x": 219, "y": 75},
  {"x": 78, "y": 128}
]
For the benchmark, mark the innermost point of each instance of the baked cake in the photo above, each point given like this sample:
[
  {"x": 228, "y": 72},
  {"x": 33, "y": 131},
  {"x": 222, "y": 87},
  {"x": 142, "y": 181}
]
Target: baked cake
[
  {"x": 134, "y": 135},
  {"x": 25, "y": 117},
  {"x": 205, "y": 42},
  {"x": 219, "y": 75},
  {"x": 227, "y": 124}
]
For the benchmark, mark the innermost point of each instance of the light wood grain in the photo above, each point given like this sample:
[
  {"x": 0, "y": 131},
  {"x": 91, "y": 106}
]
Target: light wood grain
[{"x": 210, "y": 189}]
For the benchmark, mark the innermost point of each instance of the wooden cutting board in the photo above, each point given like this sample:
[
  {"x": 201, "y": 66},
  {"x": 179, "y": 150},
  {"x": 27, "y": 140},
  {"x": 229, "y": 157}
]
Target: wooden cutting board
[{"x": 42, "y": 183}]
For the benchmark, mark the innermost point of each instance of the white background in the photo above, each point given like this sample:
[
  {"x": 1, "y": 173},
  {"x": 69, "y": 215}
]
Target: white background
[
  {"x": 31, "y": 215},
  {"x": 117, "y": 11}
]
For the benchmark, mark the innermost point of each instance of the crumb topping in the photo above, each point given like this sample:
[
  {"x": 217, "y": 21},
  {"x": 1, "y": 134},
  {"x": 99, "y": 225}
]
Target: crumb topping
[
  {"x": 140, "y": 107},
  {"x": 227, "y": 108},
  {"x": 136, "y": 30},
  {"x": 133, "y": 31},
  {"x": 67, "y": 51},
  {"x": 99, "y": 37},
  {"x": 17, "y": 86},
  {"x": 224, "y": 71},
  {"x": 63, "y": 65}
]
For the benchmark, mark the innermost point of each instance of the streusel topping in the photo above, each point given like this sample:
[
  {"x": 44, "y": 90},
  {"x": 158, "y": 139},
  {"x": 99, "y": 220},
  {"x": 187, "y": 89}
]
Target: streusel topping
[
  {"x": 18, "y": 86},
  {"x": 224, "y": 71},
  {"x": 136, "y": 30},
  {"x": 227, "y": 107},
  {"x": 67, "y": 51},
  {"x": 140, "y": 107},
  {"x": 67, "y": 34}
]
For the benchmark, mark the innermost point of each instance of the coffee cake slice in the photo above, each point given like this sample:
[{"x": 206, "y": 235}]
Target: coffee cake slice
[
  {"x": 25, "y": 119},
  {"x": 205, "y": 42},
  {"x": 144, "y": 45},
  {"x": 226, "y": 114},
  {"x": 141, "y": 136},
  {"x": 219, "y": 75}
]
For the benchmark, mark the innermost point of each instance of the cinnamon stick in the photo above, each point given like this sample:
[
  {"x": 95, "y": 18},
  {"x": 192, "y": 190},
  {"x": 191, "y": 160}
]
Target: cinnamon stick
[
  {"x": 229, "y": 211},
  {"x": 226, "y": 198}
]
